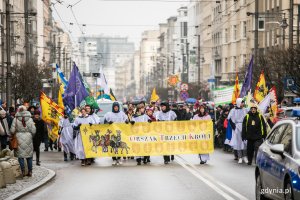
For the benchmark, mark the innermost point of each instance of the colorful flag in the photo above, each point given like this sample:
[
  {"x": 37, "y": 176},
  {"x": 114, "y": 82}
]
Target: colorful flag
[
  {"x": 273, "y": 105},
  {"x": 248, "y": 79},
  {"x": 261, "y": 89},
  {"x": 154, "y": 96},
  {"x": 112, "y": 96},
  {"x": 51, "y": 112},
  {"x": 75, "y": 91},
  {"x": 60, "y": 76},
  {"x": 236, "y": 90}
]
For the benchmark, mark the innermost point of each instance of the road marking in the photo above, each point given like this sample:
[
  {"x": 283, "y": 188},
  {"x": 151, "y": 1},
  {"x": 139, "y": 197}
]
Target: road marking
[
  {"x": 209, "y": 180},
  {"x": 235, "y": 193}
]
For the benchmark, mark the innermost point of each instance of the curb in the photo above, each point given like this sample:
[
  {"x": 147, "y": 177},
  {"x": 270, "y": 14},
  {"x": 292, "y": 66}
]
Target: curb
[{"x": 34, "y": 187}]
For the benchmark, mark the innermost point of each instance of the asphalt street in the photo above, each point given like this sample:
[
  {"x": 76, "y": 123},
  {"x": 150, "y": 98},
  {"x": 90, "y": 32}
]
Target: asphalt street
[{"x": 184, "y": 178}]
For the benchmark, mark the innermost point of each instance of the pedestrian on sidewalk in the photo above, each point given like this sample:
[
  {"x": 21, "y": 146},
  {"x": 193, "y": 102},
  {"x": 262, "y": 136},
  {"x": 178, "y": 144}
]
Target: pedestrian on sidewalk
[
  {"x": 41, "y": 132},
  {"x": 24, "y": 129},
  {"x": 254, "y": 131},
  {"x": 202, "y": 115},
  {"x": 235, "y": 118},
  {"x": 166, "y": 114},
  {"x": 5, "y": 123}
]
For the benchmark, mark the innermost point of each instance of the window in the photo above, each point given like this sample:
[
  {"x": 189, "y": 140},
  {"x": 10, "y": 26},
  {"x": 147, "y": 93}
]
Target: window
[
  {"x": 298, "y": 138},
  {"x": 234, "y": 31},
  {"x": 226, "y": 35},
  {"x": 274, "y": 137},
  {"x": 261, "y": 24},
  {"x": 244, "y": 29},
  {"x": 183, "y": 28},
  {"x": 286, "y": 139}
]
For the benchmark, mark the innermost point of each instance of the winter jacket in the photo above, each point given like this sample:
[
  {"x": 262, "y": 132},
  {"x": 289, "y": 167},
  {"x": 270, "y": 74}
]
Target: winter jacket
[
  {"x": 24, "y": 128},
  {"x": 41, "y": 133},
  {"x": 254, "y": 127}
]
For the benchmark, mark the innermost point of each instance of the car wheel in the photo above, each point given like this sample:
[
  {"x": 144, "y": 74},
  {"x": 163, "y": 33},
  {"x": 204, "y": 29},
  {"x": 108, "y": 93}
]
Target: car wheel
[
  {"x": 258, "y": 189},
  {"x": 288, "y": 191}
]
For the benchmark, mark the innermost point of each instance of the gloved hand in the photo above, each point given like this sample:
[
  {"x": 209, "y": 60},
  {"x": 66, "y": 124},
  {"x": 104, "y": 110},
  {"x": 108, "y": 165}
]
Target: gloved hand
[
  {"x": 110, "y": 122},
  {"x": 232, "y": 124},
  {"x": 126, "y": 122},
  {"x": 90, "y": 124},
  {"x": 149, "y": 120},
  {"x": 79, "y": 125},
  {"x": 132, "y": 122}
]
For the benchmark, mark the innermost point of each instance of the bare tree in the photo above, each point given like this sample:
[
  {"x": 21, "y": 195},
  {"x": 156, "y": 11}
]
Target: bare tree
[
  {"x": 27, "y": 80},
  {"x": 277, "y": 65}
]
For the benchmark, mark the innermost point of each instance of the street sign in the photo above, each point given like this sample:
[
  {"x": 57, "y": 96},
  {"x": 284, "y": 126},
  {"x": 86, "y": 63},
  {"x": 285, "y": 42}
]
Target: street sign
[
  {"x": 211, "y": 80},
  {"x": 184, "y": 87},
  {"x": 184, "y": 95}
]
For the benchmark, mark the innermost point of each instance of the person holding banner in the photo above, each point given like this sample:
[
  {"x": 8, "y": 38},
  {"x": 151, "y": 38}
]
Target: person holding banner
[
  {"x": 95, "y": 118},
  {"x": 83, "y": 118},
  {"x": 235, "y": 118},
  {"x": 140, "y": 116},
  {"x": 202, "y": 115},
  {"x": 166, "y": 114},
  {"x": 116, "y": 116}
]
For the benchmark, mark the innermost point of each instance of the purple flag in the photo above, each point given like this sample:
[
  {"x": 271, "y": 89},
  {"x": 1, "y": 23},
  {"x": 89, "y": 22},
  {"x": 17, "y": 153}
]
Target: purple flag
[
  {"x": 75, "y": 91},
  {"x": 248, "y": 79}
]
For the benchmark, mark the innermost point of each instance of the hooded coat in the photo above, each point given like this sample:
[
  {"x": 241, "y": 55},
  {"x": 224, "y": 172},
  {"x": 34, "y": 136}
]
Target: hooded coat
[
  {"x": 24, "y": 128},
  {"x": 115, "y": 116}
]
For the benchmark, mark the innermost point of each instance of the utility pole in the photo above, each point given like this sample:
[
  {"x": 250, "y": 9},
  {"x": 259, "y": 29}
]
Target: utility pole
[
  {"x": 173, "y": 63},
  {"x": 291, "y": 26},
  {"x": 64, "y": 61},
  {"x": 198, "y": 58},
  {"x": 187, "y": 60},
  {"x": 59, "y": 51},
  {"x": 256, "y": 33},
  {"x": 26, "y": 16},
  {"x": 8, "y": 60},
  {"x": 298, "y": 24},
  {"x": 2, "y": 57}
]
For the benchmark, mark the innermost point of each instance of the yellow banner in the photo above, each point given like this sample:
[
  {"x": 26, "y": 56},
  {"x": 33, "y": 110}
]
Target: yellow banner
[
  {"x": 142, "y": 139},
  {"x": 50, "y": 114}
]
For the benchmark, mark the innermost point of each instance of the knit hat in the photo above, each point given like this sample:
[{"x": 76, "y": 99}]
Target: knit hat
[{"x": 37, "y": 112}]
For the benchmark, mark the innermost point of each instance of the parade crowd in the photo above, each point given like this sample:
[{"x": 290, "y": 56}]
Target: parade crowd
[{"x": 236, "y": 129}]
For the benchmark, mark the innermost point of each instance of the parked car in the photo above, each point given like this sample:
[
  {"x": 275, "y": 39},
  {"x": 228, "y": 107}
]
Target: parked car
[
  {"x": 105, "y": 107},
  {"x": 277, "y": 172}
]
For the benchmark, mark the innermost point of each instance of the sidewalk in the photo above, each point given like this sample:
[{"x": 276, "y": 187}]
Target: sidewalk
[{"x": 40, "y": 177}]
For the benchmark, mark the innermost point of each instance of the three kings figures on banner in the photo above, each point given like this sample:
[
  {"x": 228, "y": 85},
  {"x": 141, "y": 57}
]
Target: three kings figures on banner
[{"x": 143, "y": 138}]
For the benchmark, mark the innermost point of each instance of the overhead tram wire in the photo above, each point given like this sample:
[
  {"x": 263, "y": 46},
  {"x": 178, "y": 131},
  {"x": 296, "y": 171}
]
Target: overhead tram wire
[
  {"x": 53, "y": 5},
  {"x": 162, "y": 1}
]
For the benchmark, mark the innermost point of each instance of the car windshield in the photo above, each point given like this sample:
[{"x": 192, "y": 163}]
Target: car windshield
[{"x": 289, "y": 113}]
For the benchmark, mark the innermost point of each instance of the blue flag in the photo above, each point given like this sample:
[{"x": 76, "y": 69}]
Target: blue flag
[
  {"x": 75, "y": 91},
  {"x": 248, "y": 79}
]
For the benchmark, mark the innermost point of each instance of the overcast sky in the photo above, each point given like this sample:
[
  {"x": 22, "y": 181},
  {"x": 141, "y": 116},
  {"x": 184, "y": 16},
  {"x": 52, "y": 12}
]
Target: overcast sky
[{"x": 115, "y": 18}]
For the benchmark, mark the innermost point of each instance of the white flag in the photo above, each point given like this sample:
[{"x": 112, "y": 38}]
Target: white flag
[
  {"x": 102, "y": 82},
  {"x": 265, "y": 103}
]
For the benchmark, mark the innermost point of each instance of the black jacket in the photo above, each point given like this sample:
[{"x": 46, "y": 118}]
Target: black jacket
[
  {"x": 41, "y": 133},
  {"x": 253, "y": 127},
  {"x": 181, "y": 115}
]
